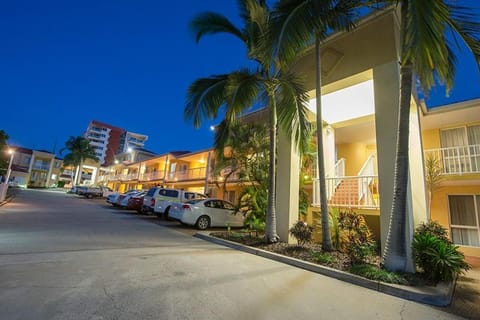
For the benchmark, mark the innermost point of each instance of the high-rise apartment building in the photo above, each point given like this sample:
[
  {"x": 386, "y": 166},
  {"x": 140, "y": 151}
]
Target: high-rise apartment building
[{"x": 109, "y": 140}]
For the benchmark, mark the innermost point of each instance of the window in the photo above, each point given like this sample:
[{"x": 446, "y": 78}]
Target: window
[
  {"x": 169, "y": 193},
  {"x": 464, "y": 219},
  {"x": 461, "y": 149},
  {"x": 231, "y": 195},
  {"x": 228, "y": 205}
]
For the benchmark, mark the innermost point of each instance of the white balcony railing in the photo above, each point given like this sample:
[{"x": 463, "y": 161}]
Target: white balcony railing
[
  {"x": 457, "y": 160},
  {"x": 190, "y": 174},
  {"x": 149, "y": 176}
]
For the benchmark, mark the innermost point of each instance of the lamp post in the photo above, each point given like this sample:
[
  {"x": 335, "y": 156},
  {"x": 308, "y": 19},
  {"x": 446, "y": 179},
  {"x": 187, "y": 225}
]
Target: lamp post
[{"x": 9, "y": 170}]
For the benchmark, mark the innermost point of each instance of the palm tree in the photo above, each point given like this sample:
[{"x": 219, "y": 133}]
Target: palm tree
[
  {"x": 79, "y": 150},
  {"x": 298, "y": 21},
  {"x": 270, "y": 84},
  {"x": 428, "y": 55}
]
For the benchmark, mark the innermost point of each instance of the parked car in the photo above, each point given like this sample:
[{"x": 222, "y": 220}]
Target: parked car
[
  {"x": 80, "y": 190},
  {"x": 122, "y": 200},
  {"x": 204, "y": 213},
  {"x": 158, "y": 200},
  {"x": 94, "y": 192},
  {"x": 136, "y": 202},
  {"x": 112, "y": 198}
]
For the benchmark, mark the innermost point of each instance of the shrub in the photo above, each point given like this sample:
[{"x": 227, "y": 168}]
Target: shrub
[
  {"x": 335, "y": 231},
  {"x": 302, "y": 232},
  {"x": 440, "y": 260},
  {"x": 356, "y": 237},
  {"x": 323, "y": 257},
  {"x": 374, "y": 273},
  {"x": 435, "y": 229}
]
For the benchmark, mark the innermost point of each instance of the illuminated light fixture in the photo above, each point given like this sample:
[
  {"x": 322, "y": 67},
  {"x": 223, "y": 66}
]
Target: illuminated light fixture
[
  {"x": 129, "y": 150},
  {"x": 202, "y": 160},
  {"x": 220, "y": 178},
  {"x": 306, "y": 176},
  {"x": 212, "y": 128},
  {"x": 116, "y": 161}
]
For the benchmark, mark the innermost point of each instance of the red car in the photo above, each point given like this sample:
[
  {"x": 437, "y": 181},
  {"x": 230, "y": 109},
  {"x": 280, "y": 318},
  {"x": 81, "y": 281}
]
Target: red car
[{"x": 136, "y": 202}]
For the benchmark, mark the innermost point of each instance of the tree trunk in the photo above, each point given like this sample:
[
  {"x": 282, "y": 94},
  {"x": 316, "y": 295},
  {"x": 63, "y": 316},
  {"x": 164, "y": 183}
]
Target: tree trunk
[
  {"x": 271, "y": 227},
  {"x": 395, "y": 253},
  {"x": 326, "y": 238}
]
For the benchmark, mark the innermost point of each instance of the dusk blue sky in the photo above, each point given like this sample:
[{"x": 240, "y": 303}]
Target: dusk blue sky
[{"x": 127, "y": 63}]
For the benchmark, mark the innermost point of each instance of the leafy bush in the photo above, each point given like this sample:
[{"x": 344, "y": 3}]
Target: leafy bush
[
  {"x": 302, "y": 232},
  {"x": 435, "y": 229},
  {"x": 374, "y": 273},
  {"x": 440, "y": 260},
  {"x": 335, "y": 231},
  {"x": 356, "y": 237}
]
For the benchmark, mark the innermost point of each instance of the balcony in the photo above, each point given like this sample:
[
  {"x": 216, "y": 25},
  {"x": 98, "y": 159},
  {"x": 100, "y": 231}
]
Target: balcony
[
  {"x": 150, "y": 176},
  {"x": 456, "y": 160},
  {"x": 43, "y": 166},
  {"x": 190, "y": 174}
]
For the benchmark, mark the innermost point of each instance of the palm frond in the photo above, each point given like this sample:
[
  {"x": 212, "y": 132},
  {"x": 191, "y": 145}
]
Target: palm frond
[
  {"x": 209, "y": 23},
  {"x": 205, "y": 96},
  {"x": 292, "y": 110},
  {"x": 464, "y": 23},
  {"x": 296, "y": 22},
  {"x": 243, "y": 89}
]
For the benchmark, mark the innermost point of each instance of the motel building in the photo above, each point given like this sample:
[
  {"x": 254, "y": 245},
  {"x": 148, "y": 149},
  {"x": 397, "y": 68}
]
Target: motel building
[{"x": 360, "y": 98}]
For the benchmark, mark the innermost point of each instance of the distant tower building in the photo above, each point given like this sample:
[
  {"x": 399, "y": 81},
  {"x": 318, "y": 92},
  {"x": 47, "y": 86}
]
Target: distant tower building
[{"x": 109, "y": 140}]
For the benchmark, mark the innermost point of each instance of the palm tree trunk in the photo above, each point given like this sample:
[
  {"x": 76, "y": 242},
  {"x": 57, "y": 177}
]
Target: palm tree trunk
[
  {"x": 271, "y": 227},
  {"x": 326, "y": 239},
  {"x": 395, "y": 253}
]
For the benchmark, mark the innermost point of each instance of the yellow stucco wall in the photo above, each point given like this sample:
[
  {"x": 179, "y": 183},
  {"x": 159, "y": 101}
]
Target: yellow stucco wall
[
  {"x": 355, "y": 155},
  {"x": 439, "y": 209}
]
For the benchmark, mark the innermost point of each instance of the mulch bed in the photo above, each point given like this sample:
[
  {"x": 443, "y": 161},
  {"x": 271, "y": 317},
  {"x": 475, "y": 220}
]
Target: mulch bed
[{"x": 309, "y": 252}]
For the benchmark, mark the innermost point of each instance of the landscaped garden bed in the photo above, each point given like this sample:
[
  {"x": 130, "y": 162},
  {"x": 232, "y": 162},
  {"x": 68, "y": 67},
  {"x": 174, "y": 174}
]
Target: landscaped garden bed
[{"x": 436, "y": 257}]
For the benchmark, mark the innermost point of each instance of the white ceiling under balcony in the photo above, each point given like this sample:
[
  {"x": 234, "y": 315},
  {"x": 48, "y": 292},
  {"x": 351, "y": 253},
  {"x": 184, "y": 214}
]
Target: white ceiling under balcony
[{"x": 353, "y": 102}]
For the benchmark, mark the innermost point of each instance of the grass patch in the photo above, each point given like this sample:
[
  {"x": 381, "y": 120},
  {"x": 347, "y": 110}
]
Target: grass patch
[
  {"x": 374, "y": 273},
  {"x": 323, "y": 258}
]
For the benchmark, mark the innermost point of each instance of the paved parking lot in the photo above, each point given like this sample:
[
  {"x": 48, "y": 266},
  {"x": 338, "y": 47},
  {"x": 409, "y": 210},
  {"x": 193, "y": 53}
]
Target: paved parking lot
[{"x": 65, "y": 257}]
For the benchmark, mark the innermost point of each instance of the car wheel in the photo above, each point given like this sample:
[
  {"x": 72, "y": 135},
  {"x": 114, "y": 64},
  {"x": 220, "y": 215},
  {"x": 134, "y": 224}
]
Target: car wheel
[
  {"x": 89, "y": 196},
  {"x": 165, "y": 214},
  {"x": 203, "y": 223}
]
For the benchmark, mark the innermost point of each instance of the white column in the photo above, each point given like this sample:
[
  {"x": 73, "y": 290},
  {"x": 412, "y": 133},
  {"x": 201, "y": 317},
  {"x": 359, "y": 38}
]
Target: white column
[
  {"x": 49, "y": 174},
  {"x": 288, "y": 171},
  {"x": 207, "y": 172}
]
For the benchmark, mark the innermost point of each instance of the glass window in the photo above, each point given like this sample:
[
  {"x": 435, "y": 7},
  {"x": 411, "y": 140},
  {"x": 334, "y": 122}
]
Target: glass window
[
  {"x": 228, "y": 205},
  {"x": 464, "y": 219}
]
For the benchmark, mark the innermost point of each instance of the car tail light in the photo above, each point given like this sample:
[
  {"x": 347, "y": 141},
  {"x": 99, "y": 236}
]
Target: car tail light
[
  {"x": 186, "y": 207},
  {"x": 152, "y": 202}
]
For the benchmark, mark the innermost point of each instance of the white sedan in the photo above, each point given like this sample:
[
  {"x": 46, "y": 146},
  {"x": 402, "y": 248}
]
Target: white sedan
[{"x": 204, "y": 213}]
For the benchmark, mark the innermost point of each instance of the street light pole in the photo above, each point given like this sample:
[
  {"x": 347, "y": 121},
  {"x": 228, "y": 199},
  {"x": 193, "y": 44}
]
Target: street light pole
[{"x": 9, "y": 170}]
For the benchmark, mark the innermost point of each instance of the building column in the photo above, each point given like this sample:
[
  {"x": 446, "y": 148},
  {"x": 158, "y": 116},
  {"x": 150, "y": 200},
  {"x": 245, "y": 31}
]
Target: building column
[
  {"x": 387, "y": 93},
  {"x": 288, "y": 172},
  {"x": 49, "y": 174}
]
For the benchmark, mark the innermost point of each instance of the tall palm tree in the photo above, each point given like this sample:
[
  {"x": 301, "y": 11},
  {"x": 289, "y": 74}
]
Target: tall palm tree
[
  {"x": 270, "y": 83},
  {"x": 298, "y": 23},
  {"x": 79, "y": 150},
  {"x": 429, "y": 55}
]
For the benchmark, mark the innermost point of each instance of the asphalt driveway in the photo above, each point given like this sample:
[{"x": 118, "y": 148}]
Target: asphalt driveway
[{"x": 64, "y": 257}]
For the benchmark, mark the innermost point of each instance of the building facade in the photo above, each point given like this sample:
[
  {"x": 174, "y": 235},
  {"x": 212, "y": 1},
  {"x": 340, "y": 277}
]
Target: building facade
[
  {"x": 35, "y": 168},
  {"x": 108, "y": 140}
]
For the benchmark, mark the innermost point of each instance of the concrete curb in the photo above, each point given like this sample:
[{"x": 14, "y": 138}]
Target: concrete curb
[
  {"x": 7, "y": 199},
  {"x": 440, "y": 295}
]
